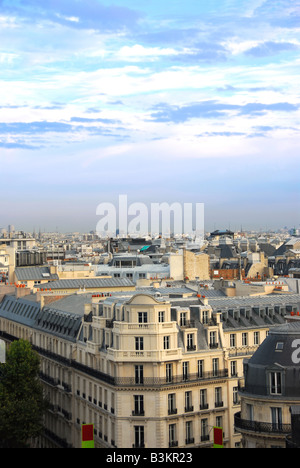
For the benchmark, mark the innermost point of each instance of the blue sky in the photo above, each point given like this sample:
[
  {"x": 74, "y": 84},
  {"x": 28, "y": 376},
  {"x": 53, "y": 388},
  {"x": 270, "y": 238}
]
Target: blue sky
[{"x": 165, "y": 101}]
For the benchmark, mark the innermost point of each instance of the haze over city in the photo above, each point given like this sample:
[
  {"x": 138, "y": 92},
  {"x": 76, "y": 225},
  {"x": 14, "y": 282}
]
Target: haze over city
[{"x": 162, "y": 101}]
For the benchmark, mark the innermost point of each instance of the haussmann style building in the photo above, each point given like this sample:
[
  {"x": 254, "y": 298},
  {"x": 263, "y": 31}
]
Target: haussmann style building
[
  {"x": 272, "y": 390},
  {"x": 148, "y": 368}
]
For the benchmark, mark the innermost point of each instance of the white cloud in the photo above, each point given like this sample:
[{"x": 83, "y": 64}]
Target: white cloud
[
  {"x": 236, "y": 46},
  {"x": 137, "y": 52},
  {"x": 7, "y": 58},
  {"x": 73, "y": 19}
]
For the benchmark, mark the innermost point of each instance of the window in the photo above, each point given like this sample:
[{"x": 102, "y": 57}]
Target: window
[
  {"x": 249, "y": 409},
  {"x": 189, "y": 432},
  {"x": 213, "y": 339},
  {"x": 139, "y": 374},
  {"x": 235, "y": 396},
  {"x": 203, "y": 399},
  {"x": 161, "y": 316},
  {"x": 276, "y": 415},
  {"x": 200, "y": 368},
  {"x": 142, "y": 317},
  {"x": 204, "y": 430},
  {"x": 215, "y": 367},
  {"x": 219, "y": 421},
  {"x": 275, "y": 383},
  {"x": 233, "y": 368},
  {"x": 139, "y": 437},
  {"x": 218, "y": 397},
  {"x": 169, "y": 373},
  {"x": 256, "y": 338},
  {"x": 172, "y": 435},
  {"x": 172, "y": 403},
  {"x": 138, "y": 405},
  {"x": 166, "y": 342},
  {"x": 139, "y": 343},
  {"x": 245, "y": 339},
  {"x": 279, "y": 346},
  {"x": 205, "y": 317},
  {"x": 185, "y": 370},
  {"x": 188, "y": 402},
  {"x": 182, "y": 319},
  {"x": 232, "y": 340},
  {"x": 190, "y": 342}
]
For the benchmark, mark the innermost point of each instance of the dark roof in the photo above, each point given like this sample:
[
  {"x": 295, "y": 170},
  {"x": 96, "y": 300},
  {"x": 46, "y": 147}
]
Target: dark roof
[
  {"x": 222, "y": 232},
  {"x": 287, "y": 246},
  {"x": 57, "y": 322},
  {"x": 72, "y": 303},
  {"x": 281, "y": 250},
  {"x": 226, "y": 251},
  {"x": 52, "y": 320},
  {"x": 278, "y": 353},
  {"x": 268, "y": 249},
  {"x": 35, "y": 273},
  {"x": 91, "y": 283},
  {"x": 19, "y": 310}
]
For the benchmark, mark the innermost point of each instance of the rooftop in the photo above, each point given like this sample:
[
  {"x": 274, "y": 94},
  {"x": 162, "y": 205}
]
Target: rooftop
[
  {"x": 91, "y": 283},
  {"x": 35, "y": 273}
]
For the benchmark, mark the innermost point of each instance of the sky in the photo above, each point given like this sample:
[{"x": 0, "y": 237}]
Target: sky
[{"x": 164, "y": 101}]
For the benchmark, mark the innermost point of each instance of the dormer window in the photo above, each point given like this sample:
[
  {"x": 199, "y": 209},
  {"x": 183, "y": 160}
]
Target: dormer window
[
  {"x": 190, "y": 342},
  {"x": 275, "y": 383},
  {"x": 279, "y": 346},
  {"x": 183, "y": 320},
  {"x": 205, "y": 317}
]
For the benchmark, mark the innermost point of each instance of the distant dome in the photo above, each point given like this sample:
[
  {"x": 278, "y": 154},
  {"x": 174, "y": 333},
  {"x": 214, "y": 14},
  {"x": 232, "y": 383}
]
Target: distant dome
[{"x": 279, "y": 352}]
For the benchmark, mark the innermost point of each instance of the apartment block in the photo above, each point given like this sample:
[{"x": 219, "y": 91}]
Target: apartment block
[{"x": 147, "y": 368}]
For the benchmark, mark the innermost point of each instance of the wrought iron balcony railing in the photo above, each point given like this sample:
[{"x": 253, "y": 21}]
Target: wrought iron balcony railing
[{"x": 260, "y": 426}]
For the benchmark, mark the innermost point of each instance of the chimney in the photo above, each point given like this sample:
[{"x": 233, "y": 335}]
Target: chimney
[
  {"x": 22, "y": 292},
  {"x": 53, "y": 269}
]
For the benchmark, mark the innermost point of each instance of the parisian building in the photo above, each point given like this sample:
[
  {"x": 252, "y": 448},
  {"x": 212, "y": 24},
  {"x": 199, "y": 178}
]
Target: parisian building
[
  {"x": 148, "y": 368},
  {"x": 271, "y": 393}
]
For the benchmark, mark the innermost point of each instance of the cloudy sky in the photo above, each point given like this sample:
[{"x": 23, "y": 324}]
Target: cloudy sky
[{"x": 164, "y": 101}]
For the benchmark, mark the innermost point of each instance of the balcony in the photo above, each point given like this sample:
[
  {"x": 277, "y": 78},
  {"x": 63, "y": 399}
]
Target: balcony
[
  {"x": 187, "y": 324},
  {"x": 173, "y": 443},
  {"x": 190, "y": 440},
  {"x": 204, "y": 406},
  {"x": 145, "y": 355},
  {"x": 170, "y": 380},
  {"x": 138, "y": 413},
  {"x": 213, "y": 345},
  {"x": 191, "y": 348},
  {"x": 188, "y": 409},
  {"x": 219, "y": 404},
  {"x": 131, "y": 328},
  {"x": 259, "y": 426}
]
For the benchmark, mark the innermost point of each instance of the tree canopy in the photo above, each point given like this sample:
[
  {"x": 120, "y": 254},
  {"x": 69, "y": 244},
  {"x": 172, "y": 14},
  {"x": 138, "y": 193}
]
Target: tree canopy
[{"x": 22, "y": 403}]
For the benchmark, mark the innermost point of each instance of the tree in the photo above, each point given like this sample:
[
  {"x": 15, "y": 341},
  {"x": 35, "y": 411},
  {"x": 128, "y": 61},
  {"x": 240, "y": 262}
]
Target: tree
[{"x": 22, "y": 404}]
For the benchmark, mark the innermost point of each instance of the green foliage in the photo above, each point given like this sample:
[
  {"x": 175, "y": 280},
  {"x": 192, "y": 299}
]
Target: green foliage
[{"x": 22, "y": 404}]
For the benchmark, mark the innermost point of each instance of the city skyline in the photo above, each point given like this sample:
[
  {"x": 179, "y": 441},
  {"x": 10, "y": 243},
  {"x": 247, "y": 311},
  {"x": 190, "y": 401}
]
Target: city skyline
[{"x": 165, "y": 102}]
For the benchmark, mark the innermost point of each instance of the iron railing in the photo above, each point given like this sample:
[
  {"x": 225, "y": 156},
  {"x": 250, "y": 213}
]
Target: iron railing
[{"x": 260, "y": 426}]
